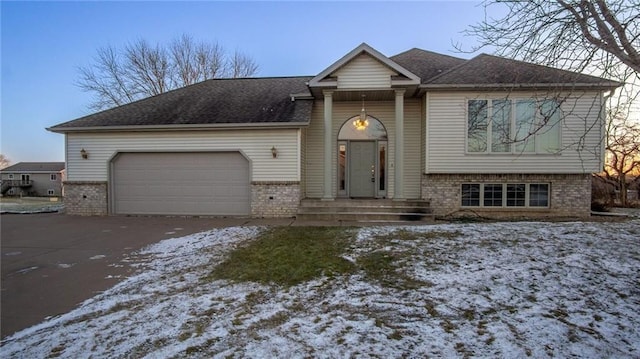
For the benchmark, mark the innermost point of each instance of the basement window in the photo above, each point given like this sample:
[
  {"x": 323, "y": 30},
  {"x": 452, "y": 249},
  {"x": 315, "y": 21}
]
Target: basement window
[{"x": 505, "y": 195}]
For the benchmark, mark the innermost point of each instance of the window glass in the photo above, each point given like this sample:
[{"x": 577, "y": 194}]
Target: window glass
[
  {"x": 495, "y": 125},
  {"x": 342, "y": 158},
  {"x": 382, "y": 153},
  {"x": 374, "y": 130},
  {"x": 539, "y": 195},
  {"x": 477, "y": 126},
  {"x": 501, "y": 126},
  {"x": 516, "y": 195},
  {"x": 471, "y": 195},
  {"x": 492, "y": 195},
  {"x": 548, "y": 137},
  {"x": 54, "y": 176},
  {"x": 525, "y": 126}
]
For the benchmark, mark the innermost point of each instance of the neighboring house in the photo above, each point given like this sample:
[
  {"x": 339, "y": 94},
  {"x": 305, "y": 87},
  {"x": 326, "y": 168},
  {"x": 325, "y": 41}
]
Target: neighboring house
[
  {"x": 491, "y": 135},
  {"x": 33, "y": 179}
]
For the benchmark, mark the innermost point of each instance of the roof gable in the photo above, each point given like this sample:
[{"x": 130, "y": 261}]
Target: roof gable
[{"x": 355, "y": 60}]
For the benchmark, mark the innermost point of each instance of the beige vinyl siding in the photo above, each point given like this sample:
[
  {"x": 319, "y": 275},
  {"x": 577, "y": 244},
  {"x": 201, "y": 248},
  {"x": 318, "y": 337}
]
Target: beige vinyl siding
[
  {"x": 383, "y": 111},
  {"x": 364, "y": 72},
  {"x": 446, "y": 138},
  {"x": 255, "y": 144}
]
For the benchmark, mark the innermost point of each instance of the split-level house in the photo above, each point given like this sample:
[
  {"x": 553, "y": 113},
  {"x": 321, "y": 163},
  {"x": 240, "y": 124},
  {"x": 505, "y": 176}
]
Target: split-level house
[
  {"x": 488, "y": 135},
  {"x": 43, "y": 179}
]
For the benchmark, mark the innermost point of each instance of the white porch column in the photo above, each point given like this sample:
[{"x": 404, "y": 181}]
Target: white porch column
[
  {"x": 328, "y": 119},
  {"x": 399, "y": 155}
]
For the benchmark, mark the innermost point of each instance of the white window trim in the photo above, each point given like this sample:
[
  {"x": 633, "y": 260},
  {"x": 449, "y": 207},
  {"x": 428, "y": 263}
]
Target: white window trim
[
  {"x": 53, "y": 176},
  {"x": 504, "y": 195},
  {"x": 513, "y": 151},
  {"x": 51, "y": 192}
]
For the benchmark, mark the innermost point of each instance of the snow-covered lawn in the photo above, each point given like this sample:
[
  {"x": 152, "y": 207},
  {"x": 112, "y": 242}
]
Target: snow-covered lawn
[{"x": 481, "y": 290}]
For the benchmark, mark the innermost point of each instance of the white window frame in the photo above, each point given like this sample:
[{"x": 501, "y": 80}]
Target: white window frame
[
  {"x": 53, "y": 176},
  {"x": 504, "y": 195},
  {"x": 10, "y": 176},
  {"x": 51, "y": 192},
  {"x": 513, "y": 150}
]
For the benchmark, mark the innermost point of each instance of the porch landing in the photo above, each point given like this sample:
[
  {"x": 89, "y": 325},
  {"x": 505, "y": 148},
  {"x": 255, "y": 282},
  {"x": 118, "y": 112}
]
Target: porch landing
[{"x": 365, "y": 210}]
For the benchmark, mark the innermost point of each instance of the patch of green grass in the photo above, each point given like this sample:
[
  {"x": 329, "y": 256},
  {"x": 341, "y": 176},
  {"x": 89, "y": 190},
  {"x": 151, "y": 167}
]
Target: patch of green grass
[
  {"x": 289, "y": 256},
  {"x": 406, "y": 235},
  {"x": 383, "y": 266},
  {"x": 379, "y": 265}
]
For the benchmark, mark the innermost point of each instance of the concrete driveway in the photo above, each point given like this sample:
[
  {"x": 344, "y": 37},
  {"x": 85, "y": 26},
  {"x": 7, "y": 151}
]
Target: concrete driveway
[{"x": 53, "y": 262}]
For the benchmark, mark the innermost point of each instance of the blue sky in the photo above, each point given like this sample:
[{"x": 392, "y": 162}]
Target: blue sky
[{"x": 43, "y": 44}]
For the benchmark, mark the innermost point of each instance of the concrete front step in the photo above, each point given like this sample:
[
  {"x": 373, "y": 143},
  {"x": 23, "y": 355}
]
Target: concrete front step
[
  {"x": 364, "y": 216},
  {"x": 365, "y": 210},
  {"x": 386, "y": 203}
]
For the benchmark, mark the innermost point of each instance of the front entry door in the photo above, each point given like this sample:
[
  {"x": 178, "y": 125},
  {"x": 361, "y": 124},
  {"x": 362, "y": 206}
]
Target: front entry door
[{"x": 362, "y": 169}]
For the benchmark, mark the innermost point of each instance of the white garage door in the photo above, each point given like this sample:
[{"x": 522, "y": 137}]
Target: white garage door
[{"x": 181, "y": 183}]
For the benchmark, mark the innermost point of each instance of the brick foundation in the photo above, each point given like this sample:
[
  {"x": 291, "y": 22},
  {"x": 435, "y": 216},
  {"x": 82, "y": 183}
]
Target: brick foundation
[
  {"x": 570, "y": 194},
  {"x": 86, "y": 198},
  {"x": 274, "y": 199}
]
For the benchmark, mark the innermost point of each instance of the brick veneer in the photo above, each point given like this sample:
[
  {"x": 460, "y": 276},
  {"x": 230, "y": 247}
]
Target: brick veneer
[
  {"x": 570, "y": 194},
  {"x": 86, "y": 198},
  {"x": 275, "y": 199}
]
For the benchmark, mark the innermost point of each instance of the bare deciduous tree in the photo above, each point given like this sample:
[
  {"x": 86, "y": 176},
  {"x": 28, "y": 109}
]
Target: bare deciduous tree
[
  {"x": 139, "y": 69},
  {"x": 623, "y": 152},
  {"x": 573, "y": 35},
  {"x": 194, "y": 62},
  {"x": 242, "y": 65},
  {"x": 4, "y": 161}
]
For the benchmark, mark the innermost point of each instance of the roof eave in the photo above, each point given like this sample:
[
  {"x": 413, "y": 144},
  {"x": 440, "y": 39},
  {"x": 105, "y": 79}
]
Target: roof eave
[
  {"x": 535, "y": 86},
  {"x": 182, "y": 127}
]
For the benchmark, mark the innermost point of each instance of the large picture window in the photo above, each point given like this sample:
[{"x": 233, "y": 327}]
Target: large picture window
[
  {"x": 513, "y": 126},
  {"x": 509, "y": 195}
]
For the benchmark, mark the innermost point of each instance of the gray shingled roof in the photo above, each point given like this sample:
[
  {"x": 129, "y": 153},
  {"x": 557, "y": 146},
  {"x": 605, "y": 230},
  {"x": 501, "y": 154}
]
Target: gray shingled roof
[
  {"x": 257, "y": 101},
  {"x": 492, "y": 70},
  {"x": 426, "y": 64},
  {"x": 35, "y": 167},
  {"x": 217, "y": 101}
]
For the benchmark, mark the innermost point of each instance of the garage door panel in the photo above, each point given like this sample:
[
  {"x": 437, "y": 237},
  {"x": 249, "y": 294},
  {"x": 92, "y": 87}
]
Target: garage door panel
[{"x": 181, "y": 183}]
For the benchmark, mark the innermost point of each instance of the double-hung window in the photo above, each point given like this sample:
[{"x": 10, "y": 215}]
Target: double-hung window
[{"x": 513, "y": 126}]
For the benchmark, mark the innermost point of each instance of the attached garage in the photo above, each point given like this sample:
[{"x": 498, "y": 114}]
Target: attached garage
[{"x": 182, "y": 183}]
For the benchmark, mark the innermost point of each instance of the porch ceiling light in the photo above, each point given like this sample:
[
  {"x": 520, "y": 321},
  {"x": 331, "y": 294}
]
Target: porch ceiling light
[{"x": 361, "y": 122}]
